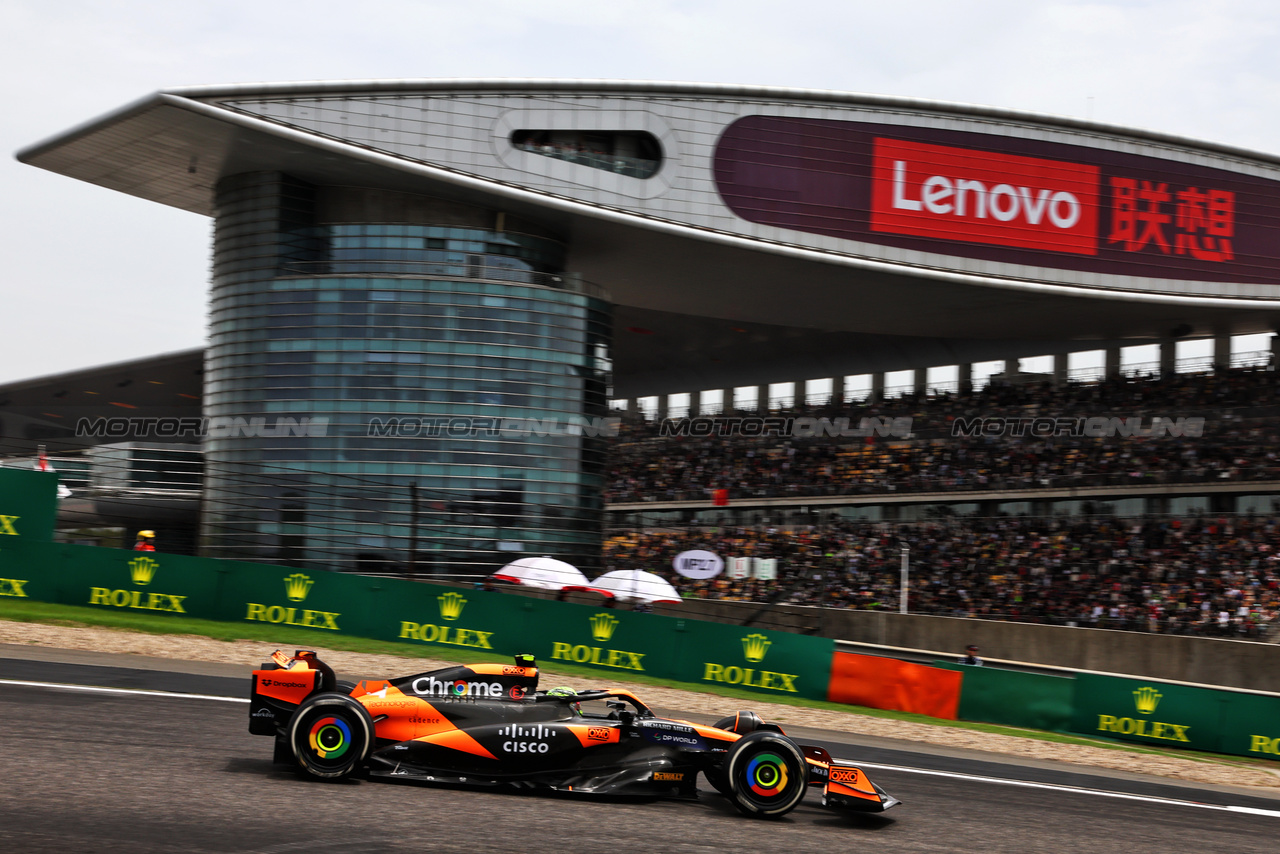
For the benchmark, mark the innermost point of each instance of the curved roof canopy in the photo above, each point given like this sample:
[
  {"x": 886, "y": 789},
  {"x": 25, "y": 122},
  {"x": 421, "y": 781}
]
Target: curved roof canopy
[{"x": 787, "y": 233}]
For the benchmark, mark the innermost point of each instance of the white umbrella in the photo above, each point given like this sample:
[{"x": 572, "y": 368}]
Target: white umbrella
[
  {"x": 636, "y": 584},
  {"x": 545, "y": 572}
]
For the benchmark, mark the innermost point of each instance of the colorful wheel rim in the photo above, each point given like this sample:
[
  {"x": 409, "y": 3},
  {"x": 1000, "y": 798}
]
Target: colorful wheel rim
[
  {"x": 767, "y": 775},
  {"x": 330, "y": 737}
]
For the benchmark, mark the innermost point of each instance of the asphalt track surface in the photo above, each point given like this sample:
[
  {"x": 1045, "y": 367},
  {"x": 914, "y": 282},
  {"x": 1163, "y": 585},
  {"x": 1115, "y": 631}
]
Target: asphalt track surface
[{"x": 104, "y": 772}]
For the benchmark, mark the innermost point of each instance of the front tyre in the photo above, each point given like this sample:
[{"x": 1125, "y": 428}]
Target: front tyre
[
  {"x": 330, "y": 735},
  {"x": 766, "y": 774}
]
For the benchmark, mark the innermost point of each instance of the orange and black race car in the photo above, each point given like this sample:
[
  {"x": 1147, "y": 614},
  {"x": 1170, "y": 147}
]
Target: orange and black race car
[{"x": 489, "y": 725}]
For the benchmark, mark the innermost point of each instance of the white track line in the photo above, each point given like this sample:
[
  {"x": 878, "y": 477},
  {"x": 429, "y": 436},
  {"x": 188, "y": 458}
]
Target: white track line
[
  {"x": 954, "y": 775},
  {"x": 131, "y": 692},
  {"x": 1101, "y": 793}
]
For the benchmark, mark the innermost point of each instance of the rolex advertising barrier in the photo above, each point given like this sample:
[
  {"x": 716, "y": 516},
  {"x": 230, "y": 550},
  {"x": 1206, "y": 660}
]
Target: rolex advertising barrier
[
  {"x": 1171, "y": 715},
  {"x": 439, "y": 618},
  {"x": 433, "y": 617}
]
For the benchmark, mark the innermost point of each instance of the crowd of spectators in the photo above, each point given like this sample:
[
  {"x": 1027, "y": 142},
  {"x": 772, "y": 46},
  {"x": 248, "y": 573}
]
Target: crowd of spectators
[
  {"x": 1214, "y": 577},
  {"x": 1238, "y": 442},
  {"x": 1202, "y": 576}
]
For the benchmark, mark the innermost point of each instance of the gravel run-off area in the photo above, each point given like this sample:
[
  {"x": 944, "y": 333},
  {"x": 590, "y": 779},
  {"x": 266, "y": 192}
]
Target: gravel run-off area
[{"x": 363, "y": 665}]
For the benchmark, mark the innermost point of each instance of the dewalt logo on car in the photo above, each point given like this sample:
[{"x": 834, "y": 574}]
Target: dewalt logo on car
[
  {"x": 755, "y": 647},
  {"x": 296, "y": 588},
  {"x": 602, "y": 626},
  {"x": 142, "y": 571},
  {"x": 451, "y": 605}
]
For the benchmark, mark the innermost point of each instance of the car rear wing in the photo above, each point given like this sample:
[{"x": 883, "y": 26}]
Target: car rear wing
[{"x": 281, "y": 684}]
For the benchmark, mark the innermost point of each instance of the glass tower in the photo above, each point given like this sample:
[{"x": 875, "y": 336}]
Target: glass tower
[{"x": 398, "y": 383}]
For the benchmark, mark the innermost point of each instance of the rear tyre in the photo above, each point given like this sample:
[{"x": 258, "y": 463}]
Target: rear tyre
[
  {"x": 742, "y": 723},
  {"x": 330, "y": 735},
  {"x": 766, "y": 774}
]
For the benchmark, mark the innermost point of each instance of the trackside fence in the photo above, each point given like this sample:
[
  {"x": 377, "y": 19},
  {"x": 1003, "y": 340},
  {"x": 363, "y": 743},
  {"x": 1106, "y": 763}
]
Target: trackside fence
[
  {"x": 438, "y": 618},
  {"x": 431, "y": 616}
]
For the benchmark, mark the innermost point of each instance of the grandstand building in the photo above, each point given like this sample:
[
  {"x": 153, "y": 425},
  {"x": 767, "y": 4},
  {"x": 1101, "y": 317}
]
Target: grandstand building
[{"x": 466, "y": 253}]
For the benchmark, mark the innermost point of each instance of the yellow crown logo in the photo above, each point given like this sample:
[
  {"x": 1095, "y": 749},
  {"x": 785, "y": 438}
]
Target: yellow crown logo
[
  {"x": 451, "y": 605},
  {"x": 1146, "y": 699},
  {"x": 755, "y": 646},
  {"x": 602, "y": 626},
  {"x": 143, "y": 569},
  {"x": 297, "y": 586}
]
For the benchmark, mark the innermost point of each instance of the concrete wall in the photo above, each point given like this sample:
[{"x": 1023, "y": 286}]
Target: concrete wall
[{"x": 1208, "y": 661}]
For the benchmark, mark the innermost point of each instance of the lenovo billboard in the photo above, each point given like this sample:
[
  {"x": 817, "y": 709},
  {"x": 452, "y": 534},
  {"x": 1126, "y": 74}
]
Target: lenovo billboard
[{"x": 1002, "y": 199}]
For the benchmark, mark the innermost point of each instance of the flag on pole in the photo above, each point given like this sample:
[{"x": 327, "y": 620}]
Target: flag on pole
[{"x": 43, "y": 464}]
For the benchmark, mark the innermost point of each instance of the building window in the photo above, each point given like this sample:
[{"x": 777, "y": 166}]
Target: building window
[{"x": 633, "y": 153}]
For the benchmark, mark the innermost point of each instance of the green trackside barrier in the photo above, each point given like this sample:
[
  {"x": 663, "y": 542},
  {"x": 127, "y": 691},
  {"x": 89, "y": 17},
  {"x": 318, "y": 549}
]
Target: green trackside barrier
[
  {"x": 28, "y": 505},
  {"x": 1252, "y": 726},
  {"x": 1152, "y": 712},
  {"x": 427, "y": 615},
  {"x": 444, "y": 618},
  {"x": 780, "y": 663},
  {"x": 142, "y": 582},
  {"x": 278, "y": 595},
  {"x": 22, "y": 572},
  {"x": 620, "y": 642},
  {"x": 1031, "y": 700}
]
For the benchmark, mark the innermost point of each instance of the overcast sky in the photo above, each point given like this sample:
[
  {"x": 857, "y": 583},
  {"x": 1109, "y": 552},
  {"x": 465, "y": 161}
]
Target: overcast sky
[{"x": 93, "y": 276}]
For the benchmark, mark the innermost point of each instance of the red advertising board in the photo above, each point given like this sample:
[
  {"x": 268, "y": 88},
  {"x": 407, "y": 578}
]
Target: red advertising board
[
  {"x": 981, "y": 197},
  {"x": 1004, "y": 198}
]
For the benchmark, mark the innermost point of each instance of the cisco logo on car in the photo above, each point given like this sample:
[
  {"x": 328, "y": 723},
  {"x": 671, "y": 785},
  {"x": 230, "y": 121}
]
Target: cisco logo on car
[{"x": 534, "y": 738}]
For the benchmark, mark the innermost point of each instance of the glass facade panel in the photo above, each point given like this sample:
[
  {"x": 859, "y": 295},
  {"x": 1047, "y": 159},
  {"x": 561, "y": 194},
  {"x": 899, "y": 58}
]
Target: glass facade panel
[
  {"x": 633, "y": 153},
  {"x": 390, "y": 409}
]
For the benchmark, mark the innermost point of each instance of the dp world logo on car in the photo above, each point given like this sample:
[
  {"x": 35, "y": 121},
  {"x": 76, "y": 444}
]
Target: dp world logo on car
[
  {"x": 450, "y": 605},
  {"x": 142, "y": 571},
  {"x": 296, "y": 589},
  {"x": 602, "y": 626},
  {"x": 755, "y": 647}
]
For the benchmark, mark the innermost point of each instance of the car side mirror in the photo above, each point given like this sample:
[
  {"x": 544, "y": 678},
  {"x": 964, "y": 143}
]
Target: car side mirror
[{"x": 620, "y": 708}]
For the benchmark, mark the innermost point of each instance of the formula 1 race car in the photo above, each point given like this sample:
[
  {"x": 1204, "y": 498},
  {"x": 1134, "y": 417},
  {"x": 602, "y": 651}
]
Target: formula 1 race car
[{"x": 489, "y": 725}]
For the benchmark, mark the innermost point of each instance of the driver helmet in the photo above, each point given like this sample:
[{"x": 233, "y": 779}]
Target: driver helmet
[{"x": 562, "y": 691}]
